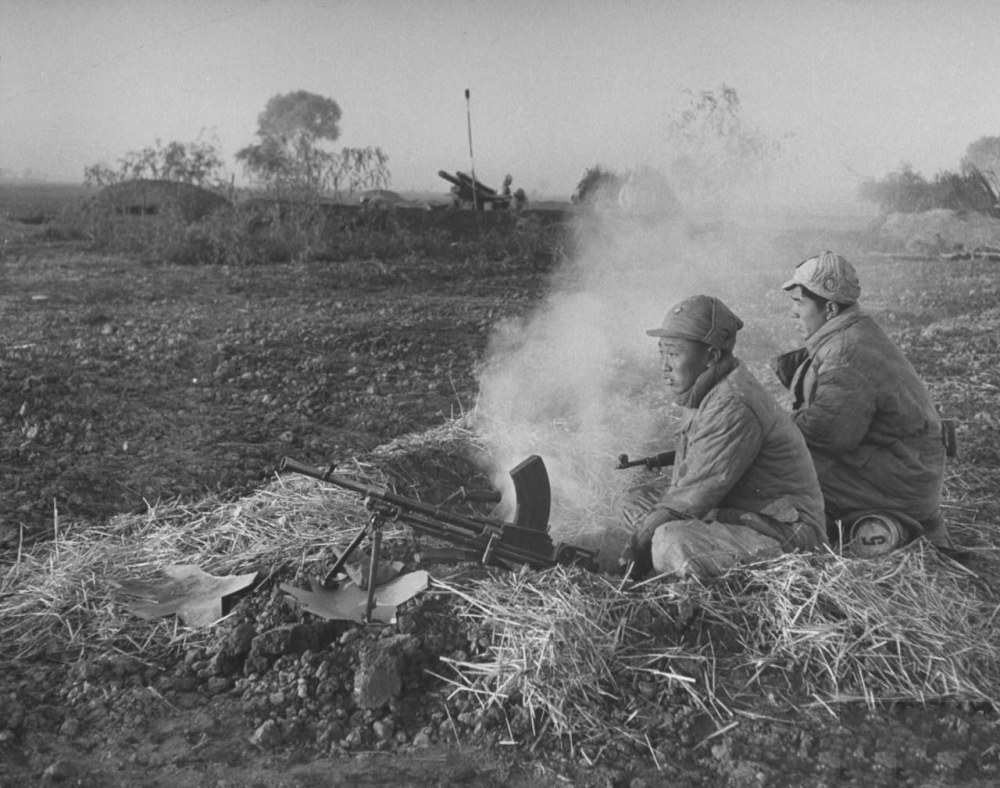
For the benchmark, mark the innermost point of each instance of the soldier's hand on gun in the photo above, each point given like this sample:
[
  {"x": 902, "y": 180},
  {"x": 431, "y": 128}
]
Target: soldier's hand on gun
[
  {"x": 637, "y": 558},
  {"x": 639, "y": 553}
]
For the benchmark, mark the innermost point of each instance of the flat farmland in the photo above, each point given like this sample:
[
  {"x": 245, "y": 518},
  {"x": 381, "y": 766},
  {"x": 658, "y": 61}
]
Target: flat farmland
[{"x": 128, "y": 381}]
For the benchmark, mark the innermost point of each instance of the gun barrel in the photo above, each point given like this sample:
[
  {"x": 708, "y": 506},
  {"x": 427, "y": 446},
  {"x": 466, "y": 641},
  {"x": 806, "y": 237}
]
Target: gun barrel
[
  {"x": 449, "y": 177},
  {"x": 475, "y": 525},
  {"x": 288, "y": 464}
]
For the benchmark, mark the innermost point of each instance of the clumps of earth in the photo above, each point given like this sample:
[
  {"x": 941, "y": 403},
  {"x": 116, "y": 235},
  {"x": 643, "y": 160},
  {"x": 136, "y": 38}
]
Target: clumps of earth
[{"x": 297, "y": 682}]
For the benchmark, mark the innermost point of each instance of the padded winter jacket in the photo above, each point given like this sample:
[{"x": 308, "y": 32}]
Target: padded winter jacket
[
  {"x": 740, "y": 455},
  {"x": 868, "y": 420}
]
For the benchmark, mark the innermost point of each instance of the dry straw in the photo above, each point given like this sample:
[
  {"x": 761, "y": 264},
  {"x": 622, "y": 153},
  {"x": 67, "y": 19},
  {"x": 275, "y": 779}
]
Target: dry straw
[
  {"x": 580, "y": 652},
  {"x": 911, "y": 625},
  {"x": 587, "y": 657},
  {"x": 59, "y": 599},
  {"x": 585, "y": 653}
]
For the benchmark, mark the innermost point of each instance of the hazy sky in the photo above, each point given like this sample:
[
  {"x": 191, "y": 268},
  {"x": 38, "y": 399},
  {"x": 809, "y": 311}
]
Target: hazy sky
[{"x": 851, "y": 87}]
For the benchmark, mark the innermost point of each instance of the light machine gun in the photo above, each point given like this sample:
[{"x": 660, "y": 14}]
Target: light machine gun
[{"x": 524, "y": 541}]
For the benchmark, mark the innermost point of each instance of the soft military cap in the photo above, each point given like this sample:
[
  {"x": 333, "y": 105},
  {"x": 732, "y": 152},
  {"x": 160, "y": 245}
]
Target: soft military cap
[
  {"x": 829, "y": 276},
  {"x": 702, "y": 318}
]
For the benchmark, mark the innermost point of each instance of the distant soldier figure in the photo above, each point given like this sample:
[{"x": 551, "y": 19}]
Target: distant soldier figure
[{"x": 505, "y": 189}]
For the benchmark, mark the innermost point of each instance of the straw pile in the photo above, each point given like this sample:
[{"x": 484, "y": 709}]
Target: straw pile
[
  {"x": 912, "y": 625},
  {"x": 448, "y": 456},
  {"x": 59, "y": 598},
  {"x": 582, "y": 655},
  {"x": 580, "y": 652}
]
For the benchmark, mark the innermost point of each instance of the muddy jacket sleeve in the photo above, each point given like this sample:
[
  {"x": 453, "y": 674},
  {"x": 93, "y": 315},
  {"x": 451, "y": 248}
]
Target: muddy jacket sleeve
[{"x": 839, "y": 413}]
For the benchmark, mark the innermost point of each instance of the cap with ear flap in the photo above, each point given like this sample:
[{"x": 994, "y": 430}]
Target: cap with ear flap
[
  {"x": 829, "y": 276},
  {"x": 703, "y": 319}
]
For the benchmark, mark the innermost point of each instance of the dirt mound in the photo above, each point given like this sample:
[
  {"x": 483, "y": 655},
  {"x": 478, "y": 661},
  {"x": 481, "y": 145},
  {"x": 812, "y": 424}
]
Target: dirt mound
[
  {"x": 934, "y": 232},
  {"x": 152, "y": 197}
]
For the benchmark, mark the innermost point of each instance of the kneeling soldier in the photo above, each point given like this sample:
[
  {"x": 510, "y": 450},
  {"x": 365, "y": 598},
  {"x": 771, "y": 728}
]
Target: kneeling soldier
[{"x": 743, "y": 485}]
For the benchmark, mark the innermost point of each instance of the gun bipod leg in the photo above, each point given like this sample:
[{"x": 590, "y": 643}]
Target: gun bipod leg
[
  {"x": 372, "y": 528},
  {"x": 342, "y": 559},
  {"x": 376, "y": 525}
]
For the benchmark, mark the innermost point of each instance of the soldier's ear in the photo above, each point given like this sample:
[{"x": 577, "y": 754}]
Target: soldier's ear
[{"x": 714, "y": 355}]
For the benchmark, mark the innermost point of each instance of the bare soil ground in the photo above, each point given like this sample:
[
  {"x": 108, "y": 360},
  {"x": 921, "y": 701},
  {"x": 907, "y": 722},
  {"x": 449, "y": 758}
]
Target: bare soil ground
[
  {"x": 127, "y": 383},
  {"x": 124, "y": 383}
]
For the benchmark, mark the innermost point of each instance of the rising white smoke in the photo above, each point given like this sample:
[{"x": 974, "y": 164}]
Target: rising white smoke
[{"x": 578, "y": 381}]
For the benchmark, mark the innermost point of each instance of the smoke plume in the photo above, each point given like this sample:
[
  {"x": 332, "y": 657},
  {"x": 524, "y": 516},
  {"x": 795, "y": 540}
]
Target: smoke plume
[{"x": 578, "y": 382}]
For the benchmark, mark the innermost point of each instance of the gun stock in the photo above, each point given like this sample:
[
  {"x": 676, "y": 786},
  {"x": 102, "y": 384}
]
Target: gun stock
[{"x": 652, "y": 463}]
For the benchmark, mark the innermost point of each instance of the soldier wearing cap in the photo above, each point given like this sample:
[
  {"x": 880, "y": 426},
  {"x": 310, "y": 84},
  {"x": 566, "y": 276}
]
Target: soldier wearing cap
[
  {"x": 743, "y": 486},
  {"x": 505, "y": 188},
  {"x": 869, "y": 422}
]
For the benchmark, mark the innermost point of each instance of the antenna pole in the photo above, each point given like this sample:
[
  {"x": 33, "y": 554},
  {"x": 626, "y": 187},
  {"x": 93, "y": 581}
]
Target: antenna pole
[{"x": 472, "y": 161}]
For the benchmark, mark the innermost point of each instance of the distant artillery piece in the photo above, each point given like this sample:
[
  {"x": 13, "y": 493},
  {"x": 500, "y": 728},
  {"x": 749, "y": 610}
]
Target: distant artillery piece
[{"x": 467, "y": 191}]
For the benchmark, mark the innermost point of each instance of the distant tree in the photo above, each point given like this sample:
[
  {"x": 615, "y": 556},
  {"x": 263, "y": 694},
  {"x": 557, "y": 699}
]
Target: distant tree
[
  {"x": 971, "y": 189},
  {"x": 984, "y": 155},
  {"x": 597, "y": 183},
  {"x": 198, "y": 163},
  {"x": 906, "y": 191},
  {"x": 300, "y": 114},
  {"x": 643, "y": 193},
  {"x": 647, "y": 194},
  {"x": 903, "y": 191},
  {"x": 716, "y": 152},
  {"x": 294, "y": 131},
  {"x": 357, "y": 169}
]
